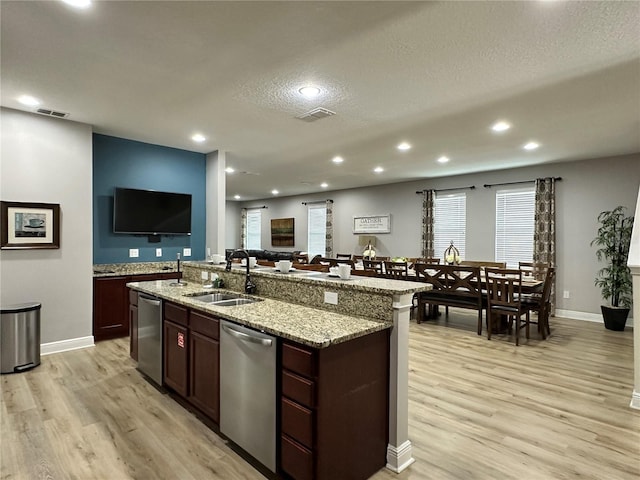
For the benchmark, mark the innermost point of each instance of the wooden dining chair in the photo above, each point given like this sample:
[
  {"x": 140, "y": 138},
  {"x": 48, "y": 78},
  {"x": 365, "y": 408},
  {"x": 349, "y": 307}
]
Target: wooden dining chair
[
  {"x": 537, "y": 270},
  {"x": 343, "y": 256},
  {"x": 373, "y": 265},
  {"x": 504, "y": 299},
  {"x": 345, "y": 261},
  {"x": 540, "y": 303},
  {"x": 302, "y": 258},
  {"x": 396, "y": 270}
]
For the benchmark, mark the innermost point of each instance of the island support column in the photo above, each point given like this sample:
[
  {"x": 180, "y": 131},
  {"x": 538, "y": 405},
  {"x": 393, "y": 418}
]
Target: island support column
[{"x": 399, "y": 450}]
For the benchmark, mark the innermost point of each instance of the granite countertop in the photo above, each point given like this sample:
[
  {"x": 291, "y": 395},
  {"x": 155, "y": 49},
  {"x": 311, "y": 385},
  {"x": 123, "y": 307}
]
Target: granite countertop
[
  {"x": 135, "y": 268},
  {"x": 365, "y": 284},
  {"x": 310, "y": 326}
]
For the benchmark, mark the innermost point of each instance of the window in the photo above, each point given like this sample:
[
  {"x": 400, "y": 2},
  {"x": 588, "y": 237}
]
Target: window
[
  {"x": 317, "y": 230},
  {"x": 515, "y": 210},
  {"x": 254, "y": 231},
  {"x": 450, "y": 223}
]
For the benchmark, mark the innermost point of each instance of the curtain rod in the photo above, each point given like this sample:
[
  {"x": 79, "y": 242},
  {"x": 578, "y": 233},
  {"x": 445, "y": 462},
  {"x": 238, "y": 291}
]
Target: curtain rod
[
  {"x": 255, "y": 208},
  {"x": 489, "y": 185},
  {"x": 317, "y": 201},
  {"x": 471, "y": 187}
]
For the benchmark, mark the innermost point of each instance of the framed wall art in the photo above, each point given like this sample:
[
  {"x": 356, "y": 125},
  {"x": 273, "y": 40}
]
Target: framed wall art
[
  {"x": 29, "y": 225},
  {"x": 282, "y": 232},
  {"x": 365, "y": 224}
]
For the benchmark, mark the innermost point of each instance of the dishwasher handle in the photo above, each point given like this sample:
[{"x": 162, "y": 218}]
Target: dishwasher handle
[
  {"x": 267, "y": 342},
  {"x": 152, "y": 300}
]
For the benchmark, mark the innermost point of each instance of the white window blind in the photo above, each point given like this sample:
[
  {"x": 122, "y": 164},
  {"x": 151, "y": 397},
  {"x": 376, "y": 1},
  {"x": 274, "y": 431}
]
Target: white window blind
[
  {"x": 254, "y": 231},
  {"x": 450, "y": 223},
  {"x": 515, "y": 210},
  {"x": 316, "y": 230}
]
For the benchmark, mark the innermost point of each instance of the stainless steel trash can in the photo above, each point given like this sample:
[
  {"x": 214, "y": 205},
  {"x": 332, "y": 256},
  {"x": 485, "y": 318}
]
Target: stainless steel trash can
[{"x": 19, "y": 337}]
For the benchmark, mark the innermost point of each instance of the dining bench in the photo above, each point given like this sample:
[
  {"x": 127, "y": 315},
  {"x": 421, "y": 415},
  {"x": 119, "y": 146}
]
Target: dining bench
[{"x": 452, "y": 286}]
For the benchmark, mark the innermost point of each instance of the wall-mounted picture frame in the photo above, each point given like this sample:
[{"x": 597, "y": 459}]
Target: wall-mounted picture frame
[
  {"x": 282, "y": 232},
  {"x": 29, "y": 225},
  {"x": 372, "y": 224}
]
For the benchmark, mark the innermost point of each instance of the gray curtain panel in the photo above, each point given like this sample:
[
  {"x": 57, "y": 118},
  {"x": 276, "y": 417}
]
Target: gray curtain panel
[
  {"x": 427, "y": 223},
  {"x": 329, "y": 233},
  {"x": 544, "y": 236},
  {"x": 243, "y": 228}
]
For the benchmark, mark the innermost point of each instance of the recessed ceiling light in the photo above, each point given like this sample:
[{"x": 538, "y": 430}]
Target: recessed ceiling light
[
  {"x": 237, "y": 197},
  {"x": 28, "y": 100},
  {"x": 337, "y": 159},
  {"x": 78, "y": 3},
  {"x": 324, "y": 184},
  {"x": 403, "y": 146},
  {"x": 309, "y": 91},
  {"x": 275, "y": 192},
  {"x": 198, "y": 137},
  {"x": 443, "y": 159},
  {"x": 531, "y": 146},
  {"x": 500, "y": 126},
  {"x": 229, "y": 170},
  {"x": 378, "y": 169}
]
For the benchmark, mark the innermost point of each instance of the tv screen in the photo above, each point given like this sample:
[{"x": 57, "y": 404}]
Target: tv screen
[{"x": 149, "y": 212}]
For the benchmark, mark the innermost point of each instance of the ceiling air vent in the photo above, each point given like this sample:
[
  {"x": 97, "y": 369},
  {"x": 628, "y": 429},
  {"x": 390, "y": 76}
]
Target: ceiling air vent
[
  {"x": 316, "y": 114},
  {"x": 51, "y": 113}
]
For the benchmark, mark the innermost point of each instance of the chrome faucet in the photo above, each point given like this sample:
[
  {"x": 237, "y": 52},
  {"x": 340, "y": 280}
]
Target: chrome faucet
[{"x": 249, "y": 286}]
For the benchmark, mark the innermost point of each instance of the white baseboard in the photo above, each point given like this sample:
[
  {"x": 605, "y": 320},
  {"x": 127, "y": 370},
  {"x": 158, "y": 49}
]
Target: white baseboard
[
  {"x": 66, "y": 345},
  {"x": 585, "y": 316}
]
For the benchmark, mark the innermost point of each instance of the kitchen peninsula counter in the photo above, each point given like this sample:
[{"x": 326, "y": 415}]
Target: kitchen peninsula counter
[{"x": 309, "y": 326}]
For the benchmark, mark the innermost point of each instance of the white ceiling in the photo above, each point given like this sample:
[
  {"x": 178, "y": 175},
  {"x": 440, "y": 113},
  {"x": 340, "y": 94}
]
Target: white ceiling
[{"x": 435, "y": 74}]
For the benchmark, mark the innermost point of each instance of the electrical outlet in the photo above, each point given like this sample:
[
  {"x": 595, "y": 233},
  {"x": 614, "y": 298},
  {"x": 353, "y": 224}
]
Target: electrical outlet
[
  {"x": 331, "y": 297},
  {"x": 204, "y": 275},
  {"x": 186, "y": 252},
  {"x": 134, "y": 253},
  {"x": 565, "y": 294},
  {"x": 158, "y": 252}
]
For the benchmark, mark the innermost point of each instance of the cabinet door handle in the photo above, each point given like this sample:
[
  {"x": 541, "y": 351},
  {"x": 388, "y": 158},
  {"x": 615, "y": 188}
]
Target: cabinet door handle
[{"x": 246, "y": 337}]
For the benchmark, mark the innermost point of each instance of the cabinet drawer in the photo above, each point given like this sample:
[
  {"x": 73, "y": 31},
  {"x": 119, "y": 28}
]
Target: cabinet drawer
[
  {"x": 298, "y": 360},
  {"x": 297, "y": 422},
  {"x": 204, "y": 324},
  {"x": 133, "y": 297},
  {"x": 298, "y": 388},
  {"x": 296, "y": 460},
  {"x": 175, "y": 313}
]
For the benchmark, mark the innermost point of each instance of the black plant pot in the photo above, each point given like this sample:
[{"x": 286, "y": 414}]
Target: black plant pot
[{"x": 615, "y": 318}]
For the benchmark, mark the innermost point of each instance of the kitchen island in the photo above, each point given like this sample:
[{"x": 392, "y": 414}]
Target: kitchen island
[{"x": 328, "y": 355}]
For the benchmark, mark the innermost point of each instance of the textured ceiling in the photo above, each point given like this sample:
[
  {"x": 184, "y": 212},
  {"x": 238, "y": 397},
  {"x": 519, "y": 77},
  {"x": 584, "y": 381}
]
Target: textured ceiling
[{"x": 435, "y": 74}]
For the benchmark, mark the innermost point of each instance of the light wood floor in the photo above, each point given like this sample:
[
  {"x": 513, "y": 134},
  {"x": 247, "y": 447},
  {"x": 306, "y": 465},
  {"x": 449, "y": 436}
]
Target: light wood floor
[{"x": 479, "y": 409}]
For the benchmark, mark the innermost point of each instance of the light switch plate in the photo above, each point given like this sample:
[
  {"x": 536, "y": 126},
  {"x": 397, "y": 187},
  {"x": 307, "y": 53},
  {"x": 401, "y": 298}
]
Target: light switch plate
[
  {"x": 331, "y": 297},
  {"x": 134, "y": 253},
  {"x": 158, "y": 252},
  {"x": 186, "y": 252},
  {"x": 204, "y": 275}
]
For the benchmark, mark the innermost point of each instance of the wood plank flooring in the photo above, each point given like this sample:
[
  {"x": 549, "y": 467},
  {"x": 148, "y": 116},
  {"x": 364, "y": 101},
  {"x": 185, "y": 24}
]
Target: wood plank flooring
[{"x": 479, "y": 409}]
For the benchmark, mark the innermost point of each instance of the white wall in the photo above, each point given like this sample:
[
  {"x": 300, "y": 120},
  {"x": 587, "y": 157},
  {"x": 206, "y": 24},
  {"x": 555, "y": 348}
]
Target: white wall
[
  {"x": 587, "y": 188},
  {"x": 50, "y": 160}
]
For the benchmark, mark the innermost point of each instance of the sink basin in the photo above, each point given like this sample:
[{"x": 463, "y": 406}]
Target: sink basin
[
  {"x": 224, "y": 299},
  {"x": 236, "y": 301},
  {"x": 215, "y": 297}
]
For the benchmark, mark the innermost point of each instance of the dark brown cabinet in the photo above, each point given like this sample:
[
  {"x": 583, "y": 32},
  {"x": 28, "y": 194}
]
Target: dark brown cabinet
[
  {"x": 110, "y": 308},
  {"x": 133, "y": 324},
  {"x": 111, "y": 304},
  {"x": 192, "y": 357},
  {"x": 334, "y": 409}
]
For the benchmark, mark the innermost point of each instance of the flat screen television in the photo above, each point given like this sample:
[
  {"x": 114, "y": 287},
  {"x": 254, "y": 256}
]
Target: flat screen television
[{"x": 148, "y": 212}]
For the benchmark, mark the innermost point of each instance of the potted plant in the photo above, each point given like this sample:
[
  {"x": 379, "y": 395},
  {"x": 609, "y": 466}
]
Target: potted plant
[{"x": 614, "y": 280}]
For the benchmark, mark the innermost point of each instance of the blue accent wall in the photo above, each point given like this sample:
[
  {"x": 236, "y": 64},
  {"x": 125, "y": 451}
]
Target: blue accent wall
[{"x": 118, "y": 162}]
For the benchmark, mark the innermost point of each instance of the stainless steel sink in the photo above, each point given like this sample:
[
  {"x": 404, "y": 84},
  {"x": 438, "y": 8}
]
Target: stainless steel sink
[
  {"x": 215, "y": 297},
  {"x": 223, "y": 299}
]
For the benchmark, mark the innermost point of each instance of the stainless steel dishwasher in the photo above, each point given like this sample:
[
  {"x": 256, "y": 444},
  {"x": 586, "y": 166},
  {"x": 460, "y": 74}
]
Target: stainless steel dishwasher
[
  {"x": 150, "y": 337},
  {"x": 248, "y": 391}
]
